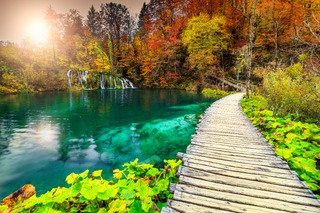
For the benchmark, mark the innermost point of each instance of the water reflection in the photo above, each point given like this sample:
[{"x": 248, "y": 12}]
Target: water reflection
[{"x": 45, "y": 137}]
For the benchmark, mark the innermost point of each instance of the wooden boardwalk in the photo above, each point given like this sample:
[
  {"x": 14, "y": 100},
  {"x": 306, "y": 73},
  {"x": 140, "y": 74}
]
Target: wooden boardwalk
[{"x": 230, "y": 167}]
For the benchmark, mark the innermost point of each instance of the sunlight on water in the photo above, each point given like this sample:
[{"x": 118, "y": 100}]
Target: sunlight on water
[{"x": 45, "y": 137}]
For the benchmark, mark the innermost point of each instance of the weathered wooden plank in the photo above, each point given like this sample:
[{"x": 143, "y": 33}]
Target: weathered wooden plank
[
  {"x": 309, "y": 199},
  {"x": 247, "y": 200},
  {"x": 170, "y": 210},
  {"x": 234, "y": 148},
  {"x": 217, "y": 178},
  {"x": 220, "y": 204},
  {"x": 239, "y": 141},
  {"x": 227, "y": 152},
  {"x": 194, "y": 164},
  {"x": 277, "y": 164},
  {"x": 216, "y": 138},
  {"x": 224, "y": 140},
  {"x": 294, "y": 182},
  {"x": 236, "y": 151},
  {"x": 186, "y": 157},
  {"x": 228, "y": 134},
  {"x": 189, "y": 208}
]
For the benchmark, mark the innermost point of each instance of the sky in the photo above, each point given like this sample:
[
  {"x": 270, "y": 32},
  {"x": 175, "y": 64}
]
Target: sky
[{"x": 20, "y": 19}]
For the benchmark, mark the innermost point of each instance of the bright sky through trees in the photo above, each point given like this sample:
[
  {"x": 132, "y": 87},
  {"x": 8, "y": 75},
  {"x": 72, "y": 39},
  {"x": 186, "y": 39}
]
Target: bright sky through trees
[
  {"x": 17, "y": 16},
  {"x": 37, "y": 31}
]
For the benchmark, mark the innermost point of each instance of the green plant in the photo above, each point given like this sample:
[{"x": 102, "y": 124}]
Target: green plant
[
  {"x": 216, "y": 93},
  {"x": 296, "y": 142},
  {"x": 136, "y": 188}
]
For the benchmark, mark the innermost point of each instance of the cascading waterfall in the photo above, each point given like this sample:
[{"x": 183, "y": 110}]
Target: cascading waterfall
[
  {"x": 80, "y": 81},
  {"x": 128, "y": 83},
  {"x": 69, "y": 74},
  {"x": 122, "y": 83},
  {"x": 82, "y": 76},
  {"x": 115, "y": 83},
  {"x": 102, "y": 81}
]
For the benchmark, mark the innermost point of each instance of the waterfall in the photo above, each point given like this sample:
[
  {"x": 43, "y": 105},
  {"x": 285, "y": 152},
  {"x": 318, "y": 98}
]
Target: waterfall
[
  {"x": 80, "y": 80},
  {"x": 84, "y": 75},
  {"x": 69, "y": 74},
  {"x": 122, "y": 83},
  {"x": 102, "y": 81},
  {"x": 128, "y": 82},
  {"x": 115, "y": 83}
]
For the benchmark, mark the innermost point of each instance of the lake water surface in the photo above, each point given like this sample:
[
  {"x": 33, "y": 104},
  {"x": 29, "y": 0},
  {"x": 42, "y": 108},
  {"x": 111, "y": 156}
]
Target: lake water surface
[{"x": 45, "y": 137}]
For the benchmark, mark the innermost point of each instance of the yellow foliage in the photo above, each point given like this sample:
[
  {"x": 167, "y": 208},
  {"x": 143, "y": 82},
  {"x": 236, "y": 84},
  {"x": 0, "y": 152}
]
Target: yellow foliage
[{"x": 289, "y": 92}]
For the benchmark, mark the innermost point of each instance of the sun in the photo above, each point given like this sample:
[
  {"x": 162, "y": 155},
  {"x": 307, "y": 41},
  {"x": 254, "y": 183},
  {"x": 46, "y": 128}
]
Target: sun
[{"x": 38, "y": 32}]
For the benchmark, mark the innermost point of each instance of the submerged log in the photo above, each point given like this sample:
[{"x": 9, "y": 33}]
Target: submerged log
[{"x": 21, "y": 194}]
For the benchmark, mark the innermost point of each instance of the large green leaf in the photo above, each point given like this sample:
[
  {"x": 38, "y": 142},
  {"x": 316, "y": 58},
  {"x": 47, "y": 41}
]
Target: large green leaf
[
  {"x": 90, "y": 189},
  {"x": 72, "y": 178},
  {"x": 110, "y": 192},
  {"x": 153, "y": 172},
  {"x": 61, "y": 195},
  {"x": 285, "y": 153}
]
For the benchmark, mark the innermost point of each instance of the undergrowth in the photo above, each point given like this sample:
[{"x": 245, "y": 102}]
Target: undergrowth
[
  {"x": 216, "y": 93},
  {"x": 136, "y": 188},
  {"x": 295, "y": 141}
]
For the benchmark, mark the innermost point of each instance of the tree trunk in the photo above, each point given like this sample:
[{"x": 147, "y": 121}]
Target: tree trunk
[
  {"x": 250, "y": 48},
  {"x": 54, "y": 54}
]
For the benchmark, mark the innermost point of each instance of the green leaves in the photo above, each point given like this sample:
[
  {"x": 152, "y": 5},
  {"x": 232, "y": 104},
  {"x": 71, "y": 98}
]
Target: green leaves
[
  {"x": 153, "y": 172},
  {"x": 135, "y": 189},
  {"x": 293, "y": 140},
  {"x": 96, "y": 174},
  {"x": 72, "y": 178}
]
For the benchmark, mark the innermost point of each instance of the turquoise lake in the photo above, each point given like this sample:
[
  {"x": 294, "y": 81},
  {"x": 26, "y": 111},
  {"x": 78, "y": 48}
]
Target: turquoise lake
[{"x": 45, "y": 137}]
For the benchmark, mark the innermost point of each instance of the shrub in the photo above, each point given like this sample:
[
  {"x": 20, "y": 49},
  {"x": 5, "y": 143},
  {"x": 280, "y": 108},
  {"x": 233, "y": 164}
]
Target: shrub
[{"x": 136, "y": 188}]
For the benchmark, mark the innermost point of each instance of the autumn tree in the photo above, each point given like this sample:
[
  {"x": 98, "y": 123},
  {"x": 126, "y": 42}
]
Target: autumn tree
[
  {"x": 204, "y": 39},
  {"x": 55, "y": 27}
]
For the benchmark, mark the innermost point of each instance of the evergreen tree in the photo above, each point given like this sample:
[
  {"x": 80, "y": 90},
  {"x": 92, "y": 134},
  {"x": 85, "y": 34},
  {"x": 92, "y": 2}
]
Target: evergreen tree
[
  {"x": 141, "y": 16},
  {"x": 93, "y": 21}
]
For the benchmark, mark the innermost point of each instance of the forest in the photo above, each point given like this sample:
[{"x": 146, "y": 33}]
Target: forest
[{"x": 273, "y": 46}]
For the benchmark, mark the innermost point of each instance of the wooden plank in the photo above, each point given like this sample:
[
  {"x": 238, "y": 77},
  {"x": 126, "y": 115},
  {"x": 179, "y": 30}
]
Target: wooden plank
[
  {"x": 226, "y": 146},
  {"x": 220, "y": 204},
  {"x": 217, "y": 178},
  {"x": 277, "y": 164},
  {"x": 187, "y": 157},
  {"x": 227, "y": 152},
  {"x": 309, "y": 199},
  {"x": 235, "y": 151},
  {"x": 169, "y": 210},
  {"x": 194, "y": 163},
  {"x": 190, "y": 208},
  {"x": 234, "y": 148},
  {"x": 294, "y": 182},
  {"x": 239, "y": 133},
  {"x": 239, "y": 142},
  {"x": 243, "y": 138},
  {"x": 243, "y": 199}
]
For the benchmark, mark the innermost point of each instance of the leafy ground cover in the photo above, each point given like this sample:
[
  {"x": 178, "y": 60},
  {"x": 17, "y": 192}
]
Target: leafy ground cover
[
  {"x": 216, "y": 93},
  {"x": 137, "y": 188},
  {"x": 295, "y": 141}
]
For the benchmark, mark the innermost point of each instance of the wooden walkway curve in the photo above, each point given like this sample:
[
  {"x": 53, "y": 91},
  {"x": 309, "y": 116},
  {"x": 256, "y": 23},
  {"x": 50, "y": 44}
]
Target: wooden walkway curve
[{"x": 230, "y": 167}]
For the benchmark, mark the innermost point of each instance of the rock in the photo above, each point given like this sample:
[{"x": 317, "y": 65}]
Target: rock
[{"x": 21, "y": 194}]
